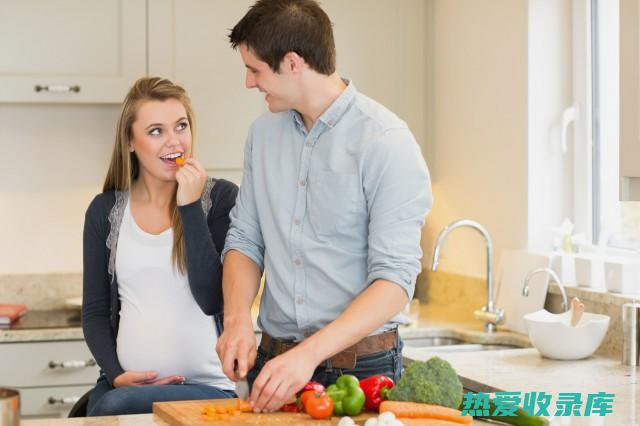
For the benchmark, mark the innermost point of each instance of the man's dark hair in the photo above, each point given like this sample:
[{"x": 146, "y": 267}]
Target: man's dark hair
[{"x": 273, "y": 28}]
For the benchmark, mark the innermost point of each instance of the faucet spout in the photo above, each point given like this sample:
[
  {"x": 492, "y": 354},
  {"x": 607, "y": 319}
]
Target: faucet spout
[
  {"x": 489, "y": 312},
  {"x": 551, "y": 272}
]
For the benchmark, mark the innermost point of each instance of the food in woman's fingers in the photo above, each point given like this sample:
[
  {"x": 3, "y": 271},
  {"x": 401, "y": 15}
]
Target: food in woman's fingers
[{"x": 180, "y": 161}]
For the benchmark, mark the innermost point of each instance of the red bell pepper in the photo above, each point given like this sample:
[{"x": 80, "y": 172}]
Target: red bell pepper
[
  {"x": 314, "y": 386},
  {"x": 375, "y": 390},
  {"x": 290, "y": 408}
]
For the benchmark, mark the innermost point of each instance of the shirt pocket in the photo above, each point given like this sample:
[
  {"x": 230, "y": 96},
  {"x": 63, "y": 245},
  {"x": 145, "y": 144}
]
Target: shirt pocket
[{"x": 335, "y": 204}]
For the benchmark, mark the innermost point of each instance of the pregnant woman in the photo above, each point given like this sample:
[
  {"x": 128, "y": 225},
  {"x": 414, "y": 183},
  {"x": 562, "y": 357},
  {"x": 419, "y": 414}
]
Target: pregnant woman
[{"x": 152, "y": 298}]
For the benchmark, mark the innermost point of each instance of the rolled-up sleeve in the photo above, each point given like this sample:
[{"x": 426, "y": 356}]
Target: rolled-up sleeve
[
  {"x": 244, "y": 233},
  {"x": 398, "y": 190}
]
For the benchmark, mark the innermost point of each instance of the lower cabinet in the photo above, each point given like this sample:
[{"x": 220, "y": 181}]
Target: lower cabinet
[{"x": 50, "y": 376}]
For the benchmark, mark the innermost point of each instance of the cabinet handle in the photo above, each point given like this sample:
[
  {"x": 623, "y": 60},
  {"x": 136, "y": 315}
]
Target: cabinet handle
[
  {"x": 66, "y": 400},
  {"x": 57, "y": 88},
  {"x": 72, "y": 364}
]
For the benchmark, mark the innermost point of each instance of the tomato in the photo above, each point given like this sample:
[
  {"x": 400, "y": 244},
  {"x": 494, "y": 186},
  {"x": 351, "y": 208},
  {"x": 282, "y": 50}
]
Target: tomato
[
  {"x": 318, "y": 405},
  {"x": 304, "y": 397}
]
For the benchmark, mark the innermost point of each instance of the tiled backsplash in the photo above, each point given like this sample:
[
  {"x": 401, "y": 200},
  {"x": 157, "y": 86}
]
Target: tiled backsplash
[{"x": 40, "y": 291}]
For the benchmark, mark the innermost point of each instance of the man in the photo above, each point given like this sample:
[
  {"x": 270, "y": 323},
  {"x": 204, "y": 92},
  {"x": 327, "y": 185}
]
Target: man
[{"x": 333, "y": 198}]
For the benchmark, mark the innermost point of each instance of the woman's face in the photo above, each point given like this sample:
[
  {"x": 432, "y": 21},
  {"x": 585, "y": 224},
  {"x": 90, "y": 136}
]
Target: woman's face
[{"x": 161, "y": 133}]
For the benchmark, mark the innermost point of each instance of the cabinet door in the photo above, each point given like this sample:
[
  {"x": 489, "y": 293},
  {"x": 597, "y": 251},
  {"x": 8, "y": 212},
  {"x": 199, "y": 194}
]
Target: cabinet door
[
  {"x": 188, "y": 43},
  {"x": 71, "y": 50}
]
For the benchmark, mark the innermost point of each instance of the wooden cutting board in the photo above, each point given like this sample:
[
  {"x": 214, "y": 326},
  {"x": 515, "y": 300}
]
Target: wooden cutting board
[{"x": 189, "y": 413}]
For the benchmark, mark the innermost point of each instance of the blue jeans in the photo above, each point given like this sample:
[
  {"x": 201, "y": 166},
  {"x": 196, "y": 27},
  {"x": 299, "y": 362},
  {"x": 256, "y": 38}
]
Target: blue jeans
[
  {"x": 106, "y": 400},
  {"x": 387, "y": 363}
]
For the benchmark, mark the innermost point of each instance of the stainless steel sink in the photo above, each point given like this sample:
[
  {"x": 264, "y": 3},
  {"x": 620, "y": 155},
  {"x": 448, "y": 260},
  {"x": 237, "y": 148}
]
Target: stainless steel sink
[{"x": 460, "y": 343}]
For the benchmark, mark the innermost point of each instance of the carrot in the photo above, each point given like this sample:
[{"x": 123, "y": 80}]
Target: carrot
[
  {"x": 180, "y": 161},
  {"x": 414, "y": 410},
  {"x": 244, "y": 406}
]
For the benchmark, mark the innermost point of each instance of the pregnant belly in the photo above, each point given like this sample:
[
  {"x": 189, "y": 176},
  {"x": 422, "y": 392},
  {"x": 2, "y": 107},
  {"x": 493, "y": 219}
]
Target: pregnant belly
[{"x": 168, "y": 345}]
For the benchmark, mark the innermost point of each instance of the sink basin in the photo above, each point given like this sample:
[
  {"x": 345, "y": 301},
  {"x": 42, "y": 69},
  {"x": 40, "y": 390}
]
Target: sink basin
[{"x": 455, "y": 344}]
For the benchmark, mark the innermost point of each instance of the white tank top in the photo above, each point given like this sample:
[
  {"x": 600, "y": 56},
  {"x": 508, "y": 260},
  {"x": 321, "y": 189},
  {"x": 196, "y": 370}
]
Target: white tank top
[{"x": 162, "y": 328}]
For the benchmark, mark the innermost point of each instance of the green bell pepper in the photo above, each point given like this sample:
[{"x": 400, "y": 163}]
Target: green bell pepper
[{"x": 348, "y": 398}]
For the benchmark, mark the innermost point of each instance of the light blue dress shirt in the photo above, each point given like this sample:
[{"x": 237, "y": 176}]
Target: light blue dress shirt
[{"x": 327, "y": 212}]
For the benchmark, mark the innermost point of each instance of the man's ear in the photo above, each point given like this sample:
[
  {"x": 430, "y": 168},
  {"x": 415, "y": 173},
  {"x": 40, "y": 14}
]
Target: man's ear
[{"x": 292, "y": 63}]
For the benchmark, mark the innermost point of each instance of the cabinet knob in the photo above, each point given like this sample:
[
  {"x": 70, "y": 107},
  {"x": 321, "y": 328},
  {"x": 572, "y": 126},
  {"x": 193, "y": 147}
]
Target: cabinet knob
[
  {"x": 72, "y": 364},
  {"x": 65, "y": 400},
  {"x": 57, "y": 88}
]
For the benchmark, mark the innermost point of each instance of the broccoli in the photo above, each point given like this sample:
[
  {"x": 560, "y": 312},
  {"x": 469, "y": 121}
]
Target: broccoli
[{"x": 430, "y": 382}]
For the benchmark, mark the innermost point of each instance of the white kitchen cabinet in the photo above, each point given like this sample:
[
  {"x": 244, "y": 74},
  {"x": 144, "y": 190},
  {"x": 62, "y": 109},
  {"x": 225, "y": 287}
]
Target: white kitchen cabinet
[
  {"x": 51, "y": 376},
  {"x": 629, "y": 100},
  {"x": 84, "y": 51},
  {"x": 188, "y": 43}
]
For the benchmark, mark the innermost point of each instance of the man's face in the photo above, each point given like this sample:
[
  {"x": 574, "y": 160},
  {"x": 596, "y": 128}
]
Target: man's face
[{"x": 276, "y": 86}]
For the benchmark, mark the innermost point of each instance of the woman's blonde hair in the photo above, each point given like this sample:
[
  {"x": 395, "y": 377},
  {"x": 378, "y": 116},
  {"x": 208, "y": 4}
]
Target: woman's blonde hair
[{"x": 125, "y": 168}]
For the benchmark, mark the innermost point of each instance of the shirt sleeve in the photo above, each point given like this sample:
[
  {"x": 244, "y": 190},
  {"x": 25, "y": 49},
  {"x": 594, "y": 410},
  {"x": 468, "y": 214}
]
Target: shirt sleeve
[
  {"x": 244, "y": 234},
  {"x": 96, "y": 309},
  {"x": 203, "y": 239},
  {"x": 398, "y": 190}
]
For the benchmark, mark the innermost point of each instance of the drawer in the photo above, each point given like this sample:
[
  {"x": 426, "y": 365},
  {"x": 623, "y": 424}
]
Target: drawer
[
  {"x": 47, "y": 364},
  {"x": 53, "y": 401}
]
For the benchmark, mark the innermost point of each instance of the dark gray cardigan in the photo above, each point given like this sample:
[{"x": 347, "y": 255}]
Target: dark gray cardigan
[{"x": 205, "y": 224}]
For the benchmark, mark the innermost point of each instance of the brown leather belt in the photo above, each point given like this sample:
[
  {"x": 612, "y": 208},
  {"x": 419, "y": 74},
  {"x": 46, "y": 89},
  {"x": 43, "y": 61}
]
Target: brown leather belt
[{"x": 345, "y": 359}]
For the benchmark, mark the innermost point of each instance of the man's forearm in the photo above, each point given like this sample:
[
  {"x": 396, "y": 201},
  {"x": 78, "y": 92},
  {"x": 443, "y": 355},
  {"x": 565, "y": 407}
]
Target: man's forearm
[
  {"x": 368, "y": 312},
  {"x": 240, "y": 285}
]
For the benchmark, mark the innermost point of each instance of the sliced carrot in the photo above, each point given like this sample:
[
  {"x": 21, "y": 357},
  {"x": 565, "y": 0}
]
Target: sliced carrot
[
  {"x": 414, "y": 410},
  {"x": 244, "y": 406},
  {"x": 180, "y": 161}
]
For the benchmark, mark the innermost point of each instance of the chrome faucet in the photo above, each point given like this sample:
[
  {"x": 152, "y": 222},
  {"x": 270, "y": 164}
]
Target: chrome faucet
[
  {"x": 489, "y": 313},
  {"x": 525, "y": 287}
]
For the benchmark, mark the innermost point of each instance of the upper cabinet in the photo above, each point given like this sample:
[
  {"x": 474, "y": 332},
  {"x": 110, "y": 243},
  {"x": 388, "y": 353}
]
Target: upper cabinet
[{"x": 85, "y": 51}]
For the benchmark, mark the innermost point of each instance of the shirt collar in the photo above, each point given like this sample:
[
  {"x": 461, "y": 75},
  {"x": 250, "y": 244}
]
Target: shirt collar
[{"x": 335, "y": 111}]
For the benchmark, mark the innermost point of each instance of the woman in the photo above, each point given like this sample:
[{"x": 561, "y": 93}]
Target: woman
[{"x": 152, "y": 298}]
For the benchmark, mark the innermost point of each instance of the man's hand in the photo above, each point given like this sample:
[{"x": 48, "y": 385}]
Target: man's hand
[
  {"x": 144, "y": 378},
  {"x": 281, "y": 378},
  {"x": 236, "y": 348}
]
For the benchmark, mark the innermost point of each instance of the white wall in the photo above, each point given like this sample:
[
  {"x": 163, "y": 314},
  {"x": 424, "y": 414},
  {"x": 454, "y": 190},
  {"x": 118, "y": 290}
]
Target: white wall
[
  {"x": 55, "y": 159},
  {"x": 480, "y": 119}
]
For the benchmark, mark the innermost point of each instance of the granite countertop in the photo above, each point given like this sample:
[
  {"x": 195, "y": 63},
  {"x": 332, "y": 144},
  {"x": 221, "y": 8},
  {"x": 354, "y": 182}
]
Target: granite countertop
[
  {"x": 44, "y": 325},
  {"x": 524, "y": 370}
]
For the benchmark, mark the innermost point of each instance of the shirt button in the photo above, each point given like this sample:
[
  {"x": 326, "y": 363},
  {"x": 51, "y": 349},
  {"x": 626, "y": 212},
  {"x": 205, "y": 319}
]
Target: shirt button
[
  {"x": 303, "y": 183},
  {"x": 297, "y": 262},
  {"x": 300, "y": 300},
  {"x": 297, "y": 221},
  {"x": 309, "y": 143},
  {"x": 330, "y": 122}
]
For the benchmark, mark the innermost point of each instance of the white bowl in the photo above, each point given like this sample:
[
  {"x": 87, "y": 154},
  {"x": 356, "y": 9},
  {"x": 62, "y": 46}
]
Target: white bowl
[{"x": 554, "y": 337}]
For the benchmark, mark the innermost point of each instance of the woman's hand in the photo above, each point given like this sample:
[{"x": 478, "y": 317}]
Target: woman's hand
[
  {"x": 145, "y": 378},
  {"x": 191, "y": 178}
]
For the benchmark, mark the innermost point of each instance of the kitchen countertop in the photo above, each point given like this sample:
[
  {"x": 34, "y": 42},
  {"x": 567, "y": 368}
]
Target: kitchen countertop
[
  {"x": 520, "y": 370},
  {"x": 44, "y": 325},
  {"x": 524, "y": 370}
]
